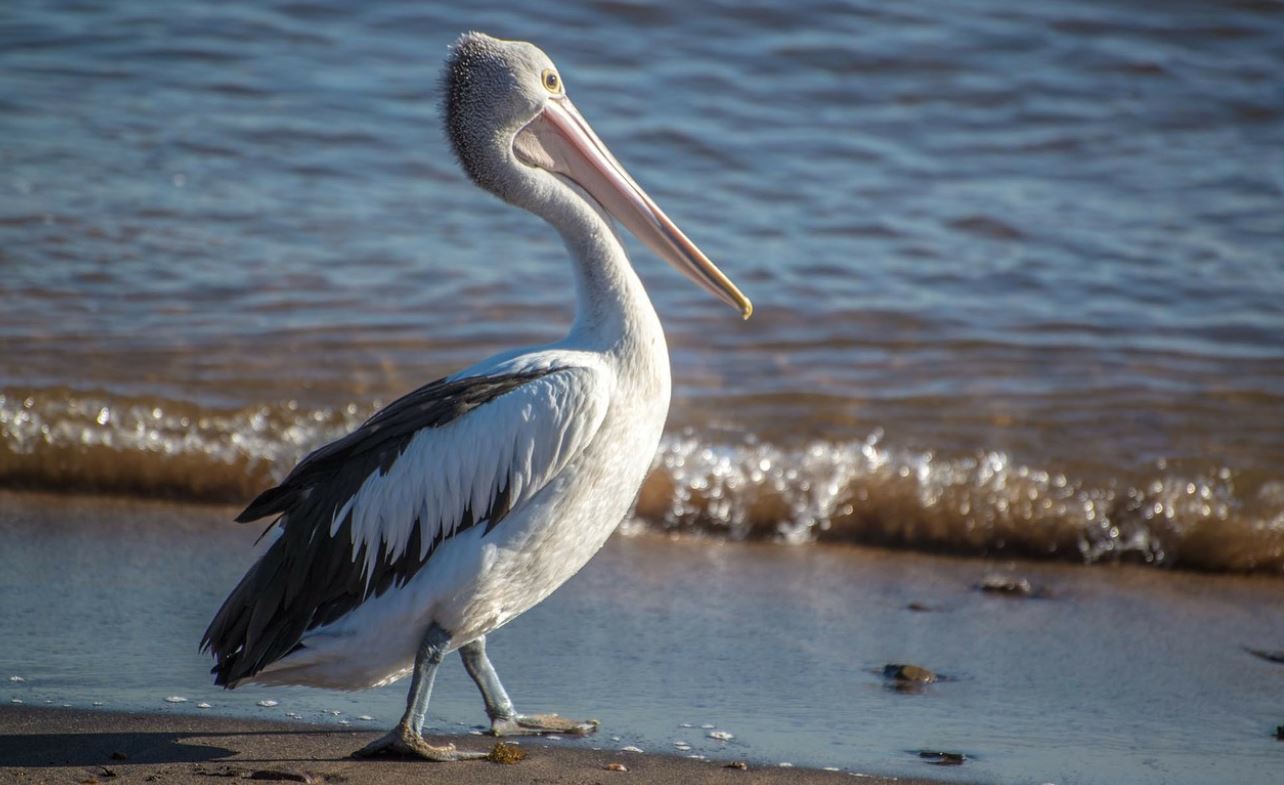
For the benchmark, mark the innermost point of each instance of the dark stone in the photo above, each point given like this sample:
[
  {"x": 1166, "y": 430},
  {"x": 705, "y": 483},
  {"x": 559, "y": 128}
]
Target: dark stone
[
  {"x": 281, "y": 776},
  {"x": 908, "y": 673},
  {"x": 1269, "y": 656},
  {"x": 940, "y": 758}
]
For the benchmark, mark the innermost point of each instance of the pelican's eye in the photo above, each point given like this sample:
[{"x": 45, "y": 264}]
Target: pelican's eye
[{"x": 551, "y": 82}]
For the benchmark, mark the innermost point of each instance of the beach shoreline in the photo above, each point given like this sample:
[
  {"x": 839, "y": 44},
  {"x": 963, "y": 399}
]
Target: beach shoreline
[
  {"x": 41, "y": 744},
  {"x": 671, "y": 643}
]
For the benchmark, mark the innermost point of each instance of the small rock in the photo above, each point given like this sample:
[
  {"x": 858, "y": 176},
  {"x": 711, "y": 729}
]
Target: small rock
[
  {"x": 105, "y": 772},
  {"x": 1269, "y": 656},
  {"x": 268, "y": 703},
  {"x": 284, "y": 776},
  {"x": 737, "y": 764},
  {"x": 1005, "y": 585},
  {"x": 118, "y": 756},
  {"x": 939, "y": 758},
  {"x": 506, "y": 754},
  {"x": 910, "y": 673},
  {"x": 176, "y": 699},
  {"x": 630, "y": 748},
  {"x": 720, "y": 735},
  {"x": 616, "y": 767}
]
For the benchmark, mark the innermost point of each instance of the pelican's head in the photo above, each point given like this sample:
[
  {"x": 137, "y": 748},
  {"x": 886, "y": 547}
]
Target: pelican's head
[{"x": 508, "y": 118}]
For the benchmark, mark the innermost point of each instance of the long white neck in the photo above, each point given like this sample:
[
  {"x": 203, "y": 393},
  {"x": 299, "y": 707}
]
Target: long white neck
[{"x": 612, "y": 311}]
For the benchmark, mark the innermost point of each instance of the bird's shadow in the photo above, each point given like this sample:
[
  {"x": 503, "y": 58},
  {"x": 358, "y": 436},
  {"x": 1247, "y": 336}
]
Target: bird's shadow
[{"x": 35, "y": 750}]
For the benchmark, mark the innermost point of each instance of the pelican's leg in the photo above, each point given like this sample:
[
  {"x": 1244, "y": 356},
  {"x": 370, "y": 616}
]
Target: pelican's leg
[
  {"x": 504, "y": 719},
  {"x": 407, "y": 738}
]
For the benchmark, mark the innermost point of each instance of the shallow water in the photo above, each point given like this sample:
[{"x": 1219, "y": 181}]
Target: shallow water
[
  {"x": 1043, "y": 239},
  {"x": 1120, "y": 675}
]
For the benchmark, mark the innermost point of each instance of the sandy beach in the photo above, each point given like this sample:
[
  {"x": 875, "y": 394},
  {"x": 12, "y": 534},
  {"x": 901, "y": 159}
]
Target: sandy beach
[
  {"x": 39, "y": 745},
  {"x": 1100, "y": 672}
]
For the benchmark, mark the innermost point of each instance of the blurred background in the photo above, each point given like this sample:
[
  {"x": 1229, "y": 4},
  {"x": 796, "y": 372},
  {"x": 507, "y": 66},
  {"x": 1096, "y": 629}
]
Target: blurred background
[{"x": 1018, "y": 272}]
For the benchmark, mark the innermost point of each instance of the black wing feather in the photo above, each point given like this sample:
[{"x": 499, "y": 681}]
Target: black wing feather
[{"x": 307, "y": 578}]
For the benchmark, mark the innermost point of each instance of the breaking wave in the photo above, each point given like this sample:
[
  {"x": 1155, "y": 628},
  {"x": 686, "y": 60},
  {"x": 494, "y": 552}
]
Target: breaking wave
[{"x": 1211, "y": 518}]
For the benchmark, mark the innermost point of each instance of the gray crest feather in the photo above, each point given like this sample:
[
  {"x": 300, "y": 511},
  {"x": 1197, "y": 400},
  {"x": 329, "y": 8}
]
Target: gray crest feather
[{"x": 475, "y": 69}]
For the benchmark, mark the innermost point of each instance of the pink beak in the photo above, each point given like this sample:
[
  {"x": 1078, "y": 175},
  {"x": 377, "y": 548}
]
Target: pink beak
[{"x": 560, "y": 141}]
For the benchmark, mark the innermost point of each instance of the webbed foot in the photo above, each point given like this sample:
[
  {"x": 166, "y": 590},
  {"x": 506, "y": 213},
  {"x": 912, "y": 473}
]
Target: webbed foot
[
  {"x": 537, "y": 724},
  {"x": 401, "y": 740}
]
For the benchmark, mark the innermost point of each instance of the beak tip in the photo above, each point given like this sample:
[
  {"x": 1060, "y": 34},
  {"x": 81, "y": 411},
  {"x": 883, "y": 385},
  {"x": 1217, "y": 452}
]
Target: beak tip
[{"x": 746, "y": 310}]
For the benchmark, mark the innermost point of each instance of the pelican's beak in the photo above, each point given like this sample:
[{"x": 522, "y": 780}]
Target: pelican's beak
[{"x": 560, "y": 141}]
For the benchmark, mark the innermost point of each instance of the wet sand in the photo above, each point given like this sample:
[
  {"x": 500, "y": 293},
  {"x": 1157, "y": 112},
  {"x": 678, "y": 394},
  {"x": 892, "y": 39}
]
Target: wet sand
[
  {"x": 40, "y": 745},
  {"x": 1105, "y": 674}
]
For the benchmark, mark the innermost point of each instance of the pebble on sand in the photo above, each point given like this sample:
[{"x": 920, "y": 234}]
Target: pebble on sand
[
  {"x": 737, "y": 764},
  {"x": 1269, "y": 656},
  {"x": 902, "y": 672},
  {"x": 940, "y": 758},
  {"x": 616, "y": 767},
  {"x": 1006, "y": 586}
]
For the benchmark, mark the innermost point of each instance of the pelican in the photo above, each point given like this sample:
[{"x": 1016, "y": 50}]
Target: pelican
[{"x": 469, "y": 500}]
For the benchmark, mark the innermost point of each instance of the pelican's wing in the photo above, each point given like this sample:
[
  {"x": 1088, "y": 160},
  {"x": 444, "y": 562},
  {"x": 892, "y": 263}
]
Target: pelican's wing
[{"x": 365, "y": 513}]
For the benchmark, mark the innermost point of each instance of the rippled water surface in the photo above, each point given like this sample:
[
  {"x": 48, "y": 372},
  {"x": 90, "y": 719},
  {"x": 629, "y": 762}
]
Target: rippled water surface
[{"x": 1023, "y": 260}]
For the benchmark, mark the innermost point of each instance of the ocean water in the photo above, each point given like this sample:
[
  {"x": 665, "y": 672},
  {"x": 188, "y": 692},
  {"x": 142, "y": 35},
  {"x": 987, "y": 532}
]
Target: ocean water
[{"x": 1017, "y": 271}]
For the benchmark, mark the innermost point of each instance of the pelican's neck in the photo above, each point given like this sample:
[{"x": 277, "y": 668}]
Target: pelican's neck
[{"x": 612, "y": 307}]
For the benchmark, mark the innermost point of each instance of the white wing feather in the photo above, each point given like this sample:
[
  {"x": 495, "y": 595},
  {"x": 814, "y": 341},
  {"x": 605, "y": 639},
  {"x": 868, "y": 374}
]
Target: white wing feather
[{"x": 520, "y": 440}]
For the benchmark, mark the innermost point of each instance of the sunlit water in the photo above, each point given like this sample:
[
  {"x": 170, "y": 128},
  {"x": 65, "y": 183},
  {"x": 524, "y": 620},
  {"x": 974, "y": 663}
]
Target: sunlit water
[
  {"x": 1029, "y": 257},
  {"x": 1120, "y": 675}
]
